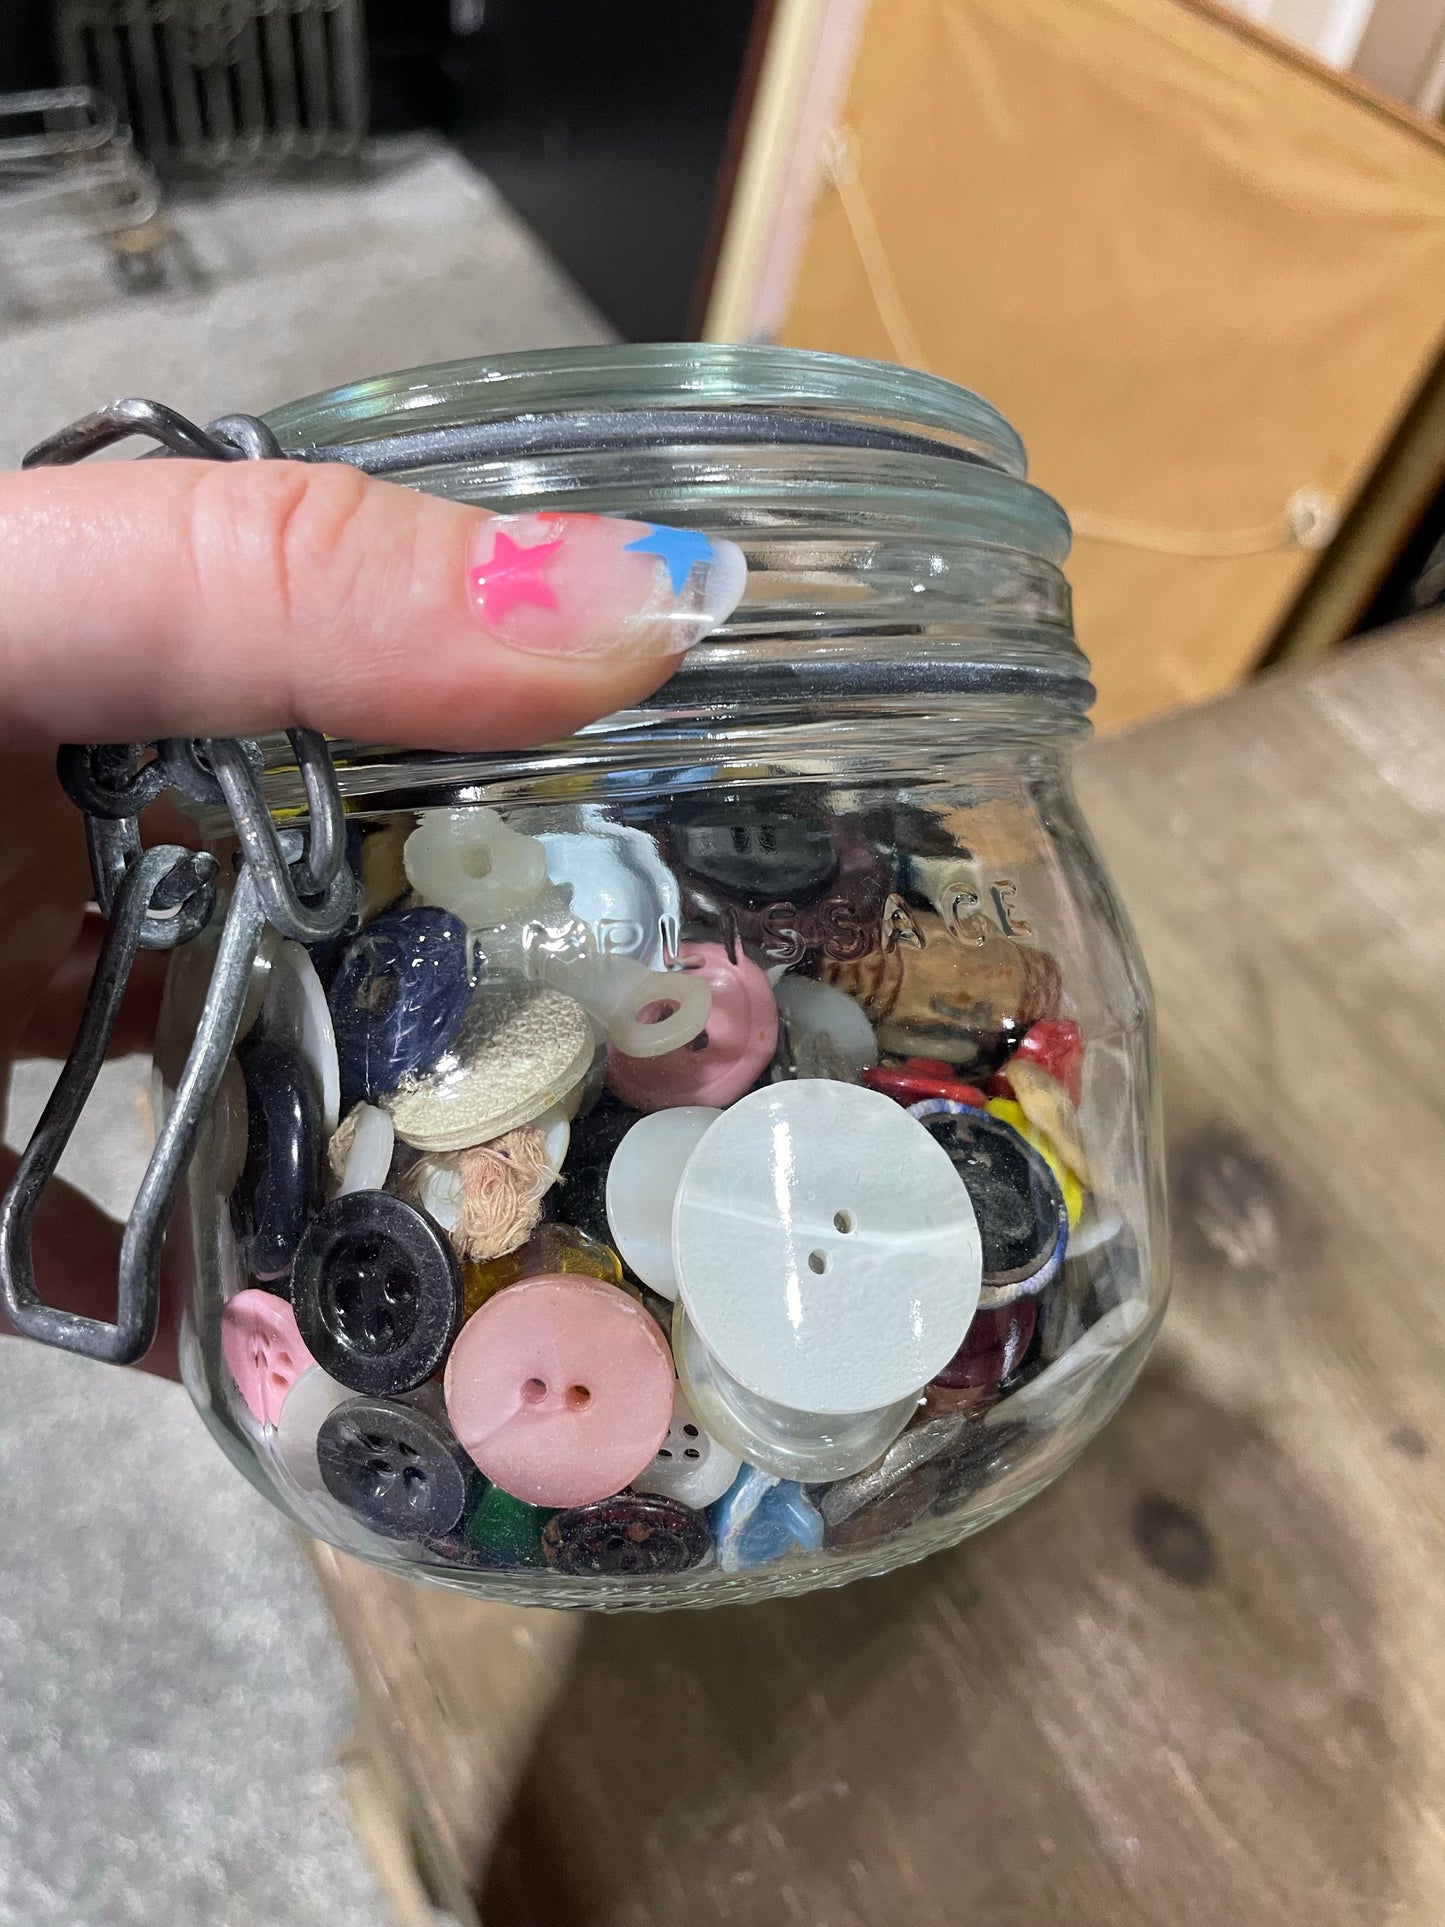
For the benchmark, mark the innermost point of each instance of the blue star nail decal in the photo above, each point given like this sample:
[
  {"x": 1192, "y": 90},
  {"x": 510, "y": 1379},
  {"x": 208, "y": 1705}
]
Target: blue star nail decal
[{"x": 678, "y": 548}]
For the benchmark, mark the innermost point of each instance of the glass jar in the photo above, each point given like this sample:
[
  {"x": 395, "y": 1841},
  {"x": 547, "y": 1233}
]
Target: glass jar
[{"x": 721, "y": 1158}]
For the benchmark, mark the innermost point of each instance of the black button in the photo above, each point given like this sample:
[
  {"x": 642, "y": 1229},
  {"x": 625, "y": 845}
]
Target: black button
[
  {"x": 396, "y": 1466},
  {"x": 580, "y": 1198},
  {"x": 1016, "y": 1198},
  {"x": 281, "y": 1179},
  {"x": 755, "y": 852},
  {"x": 626, "y": 1537},
  {"x": 377, "y": 1292}
]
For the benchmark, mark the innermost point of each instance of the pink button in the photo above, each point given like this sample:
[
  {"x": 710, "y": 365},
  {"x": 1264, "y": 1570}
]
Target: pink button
[
  {"x": 264, "y": 1351},
  {"x": 726, "y": 1059},
  {"x": 561, "y": 1389}
]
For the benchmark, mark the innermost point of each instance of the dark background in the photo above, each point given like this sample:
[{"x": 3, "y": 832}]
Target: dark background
[{"x": 603, "y": 122}]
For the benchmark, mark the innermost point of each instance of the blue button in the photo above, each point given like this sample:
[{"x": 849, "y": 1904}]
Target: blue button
[
  {"x": 398, "y": 999},
  {"x": 762, "y": 1518}
]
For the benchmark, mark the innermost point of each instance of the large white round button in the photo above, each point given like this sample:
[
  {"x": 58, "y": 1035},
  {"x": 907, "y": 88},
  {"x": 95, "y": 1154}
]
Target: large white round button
[
  {"x": 826, "y": 1248},
  {"x": 642, "y": 1183},
  {"x": 807, "y": 1446}
]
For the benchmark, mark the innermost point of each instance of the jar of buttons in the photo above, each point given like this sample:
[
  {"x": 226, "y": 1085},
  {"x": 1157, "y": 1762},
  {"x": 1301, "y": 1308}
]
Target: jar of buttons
[{"x": 718, "y": 1156}]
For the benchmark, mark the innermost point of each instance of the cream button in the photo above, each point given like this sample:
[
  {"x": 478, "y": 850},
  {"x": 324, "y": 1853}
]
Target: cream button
[
  {"x": 520, "y": 1049},
  {"x": 826, "y": 1249},
  {"x": 471, "y": 863},
  {"x": 642, "y": 1183}
]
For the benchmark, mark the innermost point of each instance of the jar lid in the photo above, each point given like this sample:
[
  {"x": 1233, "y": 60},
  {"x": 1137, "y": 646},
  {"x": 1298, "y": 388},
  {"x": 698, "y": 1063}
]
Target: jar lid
[{"x": 900, "y": 562}]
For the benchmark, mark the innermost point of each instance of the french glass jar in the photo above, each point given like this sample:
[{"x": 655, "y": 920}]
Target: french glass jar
[{"x": 720, "y": 1157}]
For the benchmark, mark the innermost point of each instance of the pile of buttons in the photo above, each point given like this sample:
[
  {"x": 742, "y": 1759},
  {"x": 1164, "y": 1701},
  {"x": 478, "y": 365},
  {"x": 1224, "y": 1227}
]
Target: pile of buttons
[{"x": 580, "y": 1235}]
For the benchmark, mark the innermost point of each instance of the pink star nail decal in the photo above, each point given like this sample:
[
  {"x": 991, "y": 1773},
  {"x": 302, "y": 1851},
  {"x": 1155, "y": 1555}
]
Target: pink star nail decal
[{"x": 513, "y": 574}]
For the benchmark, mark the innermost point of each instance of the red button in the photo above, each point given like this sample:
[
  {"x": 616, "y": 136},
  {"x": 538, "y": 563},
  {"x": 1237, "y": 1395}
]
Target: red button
[
  {"x": 561, "y": 1389},
  {"x": 1056, "y": 1045},
  {"x": 919, "y": 1077}
]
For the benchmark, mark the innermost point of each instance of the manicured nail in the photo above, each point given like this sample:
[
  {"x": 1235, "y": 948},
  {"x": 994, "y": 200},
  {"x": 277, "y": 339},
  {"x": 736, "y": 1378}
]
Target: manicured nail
[{"x": 592, "y": 585}]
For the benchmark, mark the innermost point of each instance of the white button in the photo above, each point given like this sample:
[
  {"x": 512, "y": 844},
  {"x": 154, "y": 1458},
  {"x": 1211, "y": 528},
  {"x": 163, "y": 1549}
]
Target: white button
[
  {"x": 642, "y": 1183},
  {"x": 645, "y": 1013},
  {"x": 556, "y": 1128},
  {"x": 806, "y": 1446},
  {"x": 821, "y": 1021},
  {"x": 296, "y": 1014},
  {"x": 618, "y": 884},
  {"x": 690, "y": 1466},
  {"x": 826, "y": 1248},
  {"x": 471, "y": 863},
  {"x": 368, "y": 1156}
]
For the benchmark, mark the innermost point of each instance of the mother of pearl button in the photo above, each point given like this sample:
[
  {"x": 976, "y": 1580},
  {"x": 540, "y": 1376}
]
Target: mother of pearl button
[
  {"x": 826, "y": 1248},
  {"x": 642, "y": 1182},
  {"x": 817, "y": 1014},
  {"x": 807, "y": 1446}
]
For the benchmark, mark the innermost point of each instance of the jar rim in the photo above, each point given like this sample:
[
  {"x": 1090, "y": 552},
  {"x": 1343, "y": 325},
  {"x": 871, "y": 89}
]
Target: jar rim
[
  {"x": 638, "y": 375},
  {"x": 903, "y": 487}
]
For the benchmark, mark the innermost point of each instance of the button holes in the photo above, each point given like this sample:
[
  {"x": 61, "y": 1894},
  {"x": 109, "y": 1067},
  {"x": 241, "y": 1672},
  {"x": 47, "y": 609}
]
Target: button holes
[
  {"x": 845, "y": 1222},
  {"x": 414, "y": 1476},
  {"x": 689, "y": 1432},
  {"x": 534, "y": 1390},
  {"x": 475, "y": 861},
  {"x": 663, "y": 1453},
  {"x": 659, "y": 1011},
  {"x": 279, "y": 1382},
  {"x": 818, "y": 1262},
  {"x": 691, "y": 1452},
  {"x": 578, "y": 1398}
]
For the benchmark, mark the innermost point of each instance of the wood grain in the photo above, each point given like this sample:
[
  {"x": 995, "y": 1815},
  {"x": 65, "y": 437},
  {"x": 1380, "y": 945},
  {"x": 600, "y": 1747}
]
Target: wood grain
[{"x": 1201, "y": 1680}]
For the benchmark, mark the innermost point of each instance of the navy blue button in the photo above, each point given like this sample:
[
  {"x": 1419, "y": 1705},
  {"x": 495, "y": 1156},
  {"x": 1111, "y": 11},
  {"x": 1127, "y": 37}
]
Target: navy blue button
[
  {"x": 281, "y": 1180},
  {"x": 397, "y": 999},
  {"x": 398, "y": 1467},
  {"x": 377, "y": 1292},
  {"x": 1016, "y": 1198},
  {"x": 626, "y": 1538}
]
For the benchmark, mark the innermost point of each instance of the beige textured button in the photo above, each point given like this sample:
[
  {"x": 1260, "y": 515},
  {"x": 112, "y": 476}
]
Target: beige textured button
[{"x": 520, "y": 1049}]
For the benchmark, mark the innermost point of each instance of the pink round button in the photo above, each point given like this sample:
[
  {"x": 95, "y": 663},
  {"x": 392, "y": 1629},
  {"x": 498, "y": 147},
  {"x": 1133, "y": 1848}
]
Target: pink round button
[
  {"x": 726, "y": 1059},
  {"x": 264, "y": 1351},
  {"x": 561, "y": 1389}
]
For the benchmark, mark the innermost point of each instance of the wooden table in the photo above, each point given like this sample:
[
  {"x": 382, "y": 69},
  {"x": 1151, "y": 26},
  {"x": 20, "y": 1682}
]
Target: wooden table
[{"x": 1202, "y": 1679}]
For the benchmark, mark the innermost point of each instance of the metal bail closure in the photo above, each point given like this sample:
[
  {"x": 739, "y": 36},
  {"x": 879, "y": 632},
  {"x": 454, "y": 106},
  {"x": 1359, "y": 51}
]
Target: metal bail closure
[
  {"x": 156, "y": 899},
  {"x": 139, "y": 1284}
]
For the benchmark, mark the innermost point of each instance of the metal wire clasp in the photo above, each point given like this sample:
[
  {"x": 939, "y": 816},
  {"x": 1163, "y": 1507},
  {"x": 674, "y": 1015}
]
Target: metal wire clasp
[{"x": 157, "y": 899}]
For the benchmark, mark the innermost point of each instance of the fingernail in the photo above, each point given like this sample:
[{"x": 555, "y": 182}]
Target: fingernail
[{"x": 593, "y": 585}]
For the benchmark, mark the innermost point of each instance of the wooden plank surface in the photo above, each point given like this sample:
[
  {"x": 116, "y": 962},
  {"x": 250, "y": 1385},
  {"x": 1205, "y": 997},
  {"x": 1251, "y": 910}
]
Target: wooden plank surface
[{"x": 1201, "y": 1680}]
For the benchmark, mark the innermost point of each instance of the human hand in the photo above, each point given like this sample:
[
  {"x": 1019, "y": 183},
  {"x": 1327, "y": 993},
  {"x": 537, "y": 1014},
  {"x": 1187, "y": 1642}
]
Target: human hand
[{"x": 180, "y": 598}]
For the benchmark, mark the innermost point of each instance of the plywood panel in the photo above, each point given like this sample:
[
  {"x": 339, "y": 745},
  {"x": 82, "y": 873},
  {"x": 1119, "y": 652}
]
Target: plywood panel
[{"x": 1199, "y": 274}]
